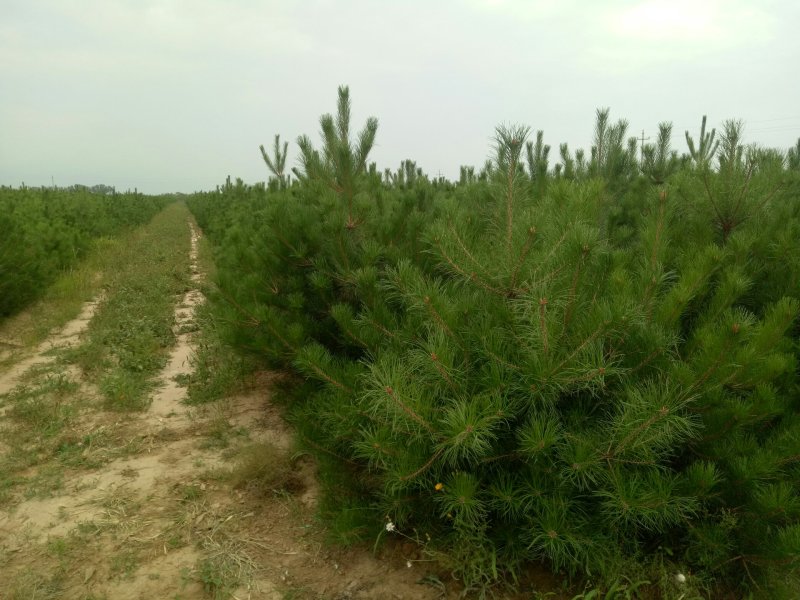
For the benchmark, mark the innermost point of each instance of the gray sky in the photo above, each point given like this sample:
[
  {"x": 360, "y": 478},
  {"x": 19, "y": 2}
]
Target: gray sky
[{"x": 175, "y": 95}]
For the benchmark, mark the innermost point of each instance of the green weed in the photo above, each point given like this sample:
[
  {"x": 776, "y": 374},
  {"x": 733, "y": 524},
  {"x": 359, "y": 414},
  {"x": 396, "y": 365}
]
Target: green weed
[
  {"x": 60, "y": 547},
  {"x": 7, "y": 484},
  {"x": 191, "y": 493},
  {"x": 125, "y": 563},
  {"x": 34, "y": 584},
  {"x": 125, "y": 391},
  {"x": 75, "y": 452},
  {"x": 224, "y": 568},
  {"x": 47, "y": 481},
  {"x": 218, "y": 577},
  {"x": 129, "y": 338},
  {"x": 218, "y": 370},
  {"x": 42, "y": 407},
  {"x": 619, "y": 590}
]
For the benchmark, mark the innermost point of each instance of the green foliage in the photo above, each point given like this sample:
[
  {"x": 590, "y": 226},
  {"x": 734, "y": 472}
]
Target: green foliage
[
  {"x": 45, "y": 231},
  {"x": 793, "y": 157},
  {"x": 611, "y": 158},
  {"x": 342, "y": 162},
  {"x": 578, "y": 373},
  {"x": 128, "y": 339},
  {"x": 659, "y": 161},
  {"x": 220, "y": 576},
  {"x": 537, "y": 156},
  {"x": 38, "y": 408},
  {"x": 277, "y": 162},
  {"x": 218, "y": 371},
  {"x": 746, "y": 183},
  {"x": 703, "y": 153}
]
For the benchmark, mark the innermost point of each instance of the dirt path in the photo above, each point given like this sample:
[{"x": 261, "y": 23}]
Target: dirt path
[
  {"x": 167, "y": 404},
  {"x": 67, "y": 336},
  {"x": 162, "y": 504}
]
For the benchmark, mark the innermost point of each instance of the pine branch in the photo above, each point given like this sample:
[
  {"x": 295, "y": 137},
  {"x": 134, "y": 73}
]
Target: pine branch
[
  {"x": 523, "y": 255},
  {"x": 328, "y": 451},
  {"x": 465, "y": 250},
  {"x": 573, "y": 288},
  {"x": 468, "y": 276},
  {"x": 438, "y": 318},
  {"x": 662, "y": 198},
  {"x": 553, "y": 249},
  {"x": 543, "y": 324},
  {"x": 440, "y": 369},
  {"x": 424, "y": 467},
  {"x": 597, "y": 332},
  {"x": 406, "y": 409}
]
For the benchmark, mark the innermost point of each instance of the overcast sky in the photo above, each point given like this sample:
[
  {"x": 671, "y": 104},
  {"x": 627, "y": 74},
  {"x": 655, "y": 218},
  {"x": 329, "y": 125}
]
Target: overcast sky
[{"x": 176, "y": 95}]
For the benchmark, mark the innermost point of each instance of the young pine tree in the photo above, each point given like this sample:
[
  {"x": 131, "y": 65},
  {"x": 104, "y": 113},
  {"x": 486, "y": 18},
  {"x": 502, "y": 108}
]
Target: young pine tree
[
  {"x": 504, "y": 371},
  {"x": 277, "y": 162}
]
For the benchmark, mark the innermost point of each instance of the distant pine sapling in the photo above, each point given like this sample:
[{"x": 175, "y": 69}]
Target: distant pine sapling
[
  {"x": 659, "y": 161},
  {"x": 466, "y": 175},
  {"x": 537, "y": 156},
  {"x": 733, "y": 193},
  {"x": 793, "y": 157},
  {"x": 703, "y": 153},
  {"x": 567, "y": 167},
  {"x": 610, "y": 157},
  {"x": 277, "y": 163}
]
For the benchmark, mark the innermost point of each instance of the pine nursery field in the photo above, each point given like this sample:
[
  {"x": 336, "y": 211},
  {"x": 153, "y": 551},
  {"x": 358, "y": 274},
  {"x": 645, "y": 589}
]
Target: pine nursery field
[
  {"x": 45, "y": 231},
  {"x": 579, "y": 369},
  {"x": 591, "y": 364}
]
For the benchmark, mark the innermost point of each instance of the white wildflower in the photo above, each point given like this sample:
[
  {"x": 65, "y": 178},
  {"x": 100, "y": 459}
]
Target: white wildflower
[
  {"x": 389, "y": 526},
  {"x": 408, "y": 564}
]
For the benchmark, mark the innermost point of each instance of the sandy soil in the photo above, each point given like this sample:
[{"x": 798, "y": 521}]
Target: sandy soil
[
  {"x": 67, "y": 336},
  {"x": 148, "y": 513}
]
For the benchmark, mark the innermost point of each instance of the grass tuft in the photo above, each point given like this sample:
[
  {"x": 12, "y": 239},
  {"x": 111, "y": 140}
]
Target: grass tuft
[{"x": 263, "y": 468}]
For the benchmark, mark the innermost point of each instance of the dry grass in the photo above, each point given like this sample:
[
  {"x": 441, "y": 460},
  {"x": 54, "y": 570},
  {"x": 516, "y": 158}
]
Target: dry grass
[
  {"x": 225, "y": 566},
  {"x": 262, "y": 468},
  {"x": 32, "y": 584}
]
